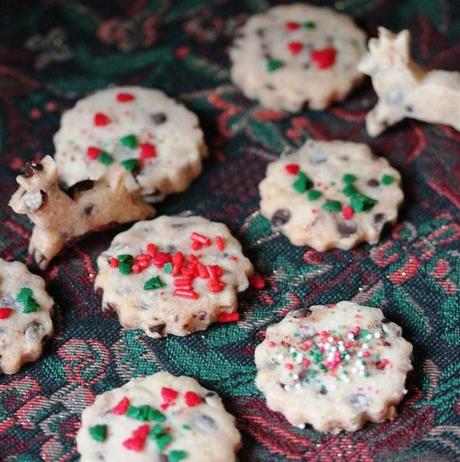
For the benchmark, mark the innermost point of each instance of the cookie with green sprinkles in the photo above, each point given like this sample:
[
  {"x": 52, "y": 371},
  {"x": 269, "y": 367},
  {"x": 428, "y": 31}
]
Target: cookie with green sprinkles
[
  {"x": 331, "y": 195},
  {"x": 296, "y": 54},
  {"x": 173, "y": 275},
  {"x": 25, "y": 316},
  {"x": 334, "y": 367},
  {"x": 159, "y": 418},
  {"x": 153, "y": 137}
]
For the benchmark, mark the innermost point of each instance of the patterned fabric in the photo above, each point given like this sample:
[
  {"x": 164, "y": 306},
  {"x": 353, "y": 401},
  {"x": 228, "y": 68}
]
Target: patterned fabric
[{"x": 53, "y": 53}]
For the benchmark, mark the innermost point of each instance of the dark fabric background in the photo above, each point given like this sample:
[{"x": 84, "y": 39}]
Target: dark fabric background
[{"x": 52, "y": 53}]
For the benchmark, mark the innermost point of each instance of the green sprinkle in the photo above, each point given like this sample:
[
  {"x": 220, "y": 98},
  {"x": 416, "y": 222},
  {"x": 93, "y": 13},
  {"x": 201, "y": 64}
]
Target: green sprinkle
[
  {"x": 302, "y": 183},
  {"x": 309, "y": 25},
  {"x": 156, "y": 415},
  {"x": 129, "y": 141},
  {"x": 362, "y": 203},
  {"x": 154, "y": 283},
  {"x": 98, "y": 432},
  {"x": 187, "y": 427},
  {"x": 125, "y": 257},
  {"x": 332, "y": 206},
  {"x": 177, "y": 456},
  {"x": 105, "y": 158},
  {"x": 387, "y": 179},
  {"x": 274, "y": 64},
  {"x": 24, "y": 294},
  {"x": 167, "y": 268},
  {"x": 130, "y": 164},
  {"x": 350, "y": 190},
  {"x": 349, "y": 178},
  {"x": 162, "y": 441},
  {"x": 125, "y": 267},
  {"x": 133, "y": 412},
  {"x": 30, "y": 306},
  {"x": 156, "y": 431},
  {"x": 314, "y": 194}
]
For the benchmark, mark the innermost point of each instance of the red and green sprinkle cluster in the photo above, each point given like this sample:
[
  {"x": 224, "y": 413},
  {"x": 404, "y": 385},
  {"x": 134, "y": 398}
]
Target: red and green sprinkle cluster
[
  {"x": 153, "y": 425},
  {"x": 25, "y": 296}
]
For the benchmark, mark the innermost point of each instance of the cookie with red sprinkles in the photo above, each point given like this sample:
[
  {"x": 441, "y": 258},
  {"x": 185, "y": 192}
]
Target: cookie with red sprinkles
[
  {"x": 25, "y": 316},
  {"x": 334, "y": 367},
  {"x": 297, "y": 54},
  {"x": 155, "y": 138},
  {"x": 331, "y": 195},
  {"x": 159, "y": 418},
  {"x": 173, "y": 275}
]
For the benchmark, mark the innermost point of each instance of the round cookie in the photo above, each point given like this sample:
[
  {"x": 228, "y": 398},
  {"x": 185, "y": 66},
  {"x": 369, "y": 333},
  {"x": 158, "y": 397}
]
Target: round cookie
[
  {"x": 333, "y": 367},
  {"x": 331, "y": 194},
  {"x": 160, "y": 418},
  {"x": 296, "y": 54},
  {"x": 25, "y": 310},
  {"x": 154, "y": 137},
  {"x": 173, "y": 275}
]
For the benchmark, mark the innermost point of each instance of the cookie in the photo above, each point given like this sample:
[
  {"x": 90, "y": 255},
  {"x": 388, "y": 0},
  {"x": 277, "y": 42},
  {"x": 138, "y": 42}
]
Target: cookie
[
  {"x": 296, "y": 54},
  {"x": 330, "y": 194},
  {"x": 61, "y": 216},
  {"x": 157, "y": 140},
  {"x": 173, "y": 275},
  {"x": 25, "y": 322},
  {"x": 406, "y": 90},
  {"x": 334, "y": 367},
  {"x": 160, "y": 418}
]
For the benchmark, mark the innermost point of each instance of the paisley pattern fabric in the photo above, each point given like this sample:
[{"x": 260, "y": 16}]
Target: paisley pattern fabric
[{"x": 53, "y": 53}]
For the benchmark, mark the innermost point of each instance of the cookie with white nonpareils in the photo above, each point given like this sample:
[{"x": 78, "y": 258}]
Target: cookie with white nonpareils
[
  {"x": 334, "y": 367},
  {"x": 25, "y": 316},
  {"x": 152, "y": 136},
  {"x": 330, "y": 194},
  {"x": 160, "y": 418},
  {"x": 296, "y": 54},
  {"x": 173, "y": 275}
]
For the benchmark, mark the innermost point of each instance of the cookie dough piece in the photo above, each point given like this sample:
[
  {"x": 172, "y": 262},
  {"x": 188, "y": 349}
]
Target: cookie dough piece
[
  {"x": 333, "y": 367},
  {"x": 160, "y": 418},
  {"x": 330, "y": 194},
  {"x": 61, "y": 216},
  {"x": 25, "y": 310},
  {"x": 296, "y": 54},
  {"x": 173, "y": 275},
  {"x": 406, "y": 90},
  {"x": 154, "y": 137}
]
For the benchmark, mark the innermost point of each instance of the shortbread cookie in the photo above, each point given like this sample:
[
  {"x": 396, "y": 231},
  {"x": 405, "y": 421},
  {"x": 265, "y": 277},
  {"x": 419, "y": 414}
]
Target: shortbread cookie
[
  {"x": 296, "y": 54},
  {"x": 333, "y": 367},
  {"x": 331, "y": 194},
  {"x": 25, "y": 310},
  {"x": 160, "y": 418},
  {"x": 406, "y": 90},
  {"x": 173, "y": 275},
  {"x": 152, "y": 136},
  {"x": 60, "y": 216}
]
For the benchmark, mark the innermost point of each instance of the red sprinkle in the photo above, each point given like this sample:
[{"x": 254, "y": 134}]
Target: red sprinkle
[
  {"x": 324, "y": 57},
  {"x": 160, "y": 259},
  {"x": 196, "y": 245},
  {"x": 228, "y": 317},
  {"x": 93, "y": 152},
  {"x": 121, "y": 407},
  {"x": 138, "y": 438},
  {"x": 169, "y": 394},
  {"x": 292, "y": 169},
  {"x": 5, "y": 313},
  {"x": 347, "y": 212},
  {"x": 186, "y": 293},
  {"x": 215, "y": 286},
  {"x": 101, "y": 119},
  {"x": 147, "y": 151},
  {"x": 292, "y": 25},
  {"x": 192, "y": 399},
  {"x": 289, "y": 366},
  {"x": 136, "y": 268},
  {"x": 257, "y": 281},
  {"x": 184, "y": 282},
  {"x": 220, "y": 244},
  {"x": 215, "y": 271},
  {"x": 197, "y": 237},
  {"x": 202, "y": 271},
  {"x": 151, "y": 249},
  {"x": 114, "y": 262},
  {"x": 295, "y": 47},
  {"x": 178, "y": 260},
  {"x": 125, "y": 97}
]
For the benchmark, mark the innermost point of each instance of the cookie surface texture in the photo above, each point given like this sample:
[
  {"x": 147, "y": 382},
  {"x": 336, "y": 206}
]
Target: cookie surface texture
[
  {"x": 172, "y": 275},
  {"x": 154, "y": 137},
  {"x": 297, "y": 54},
  {"x": 333, "y": 367},
  {"x": 330, "y": 194},
  {"x": 160, "y": 418},
  {"x": 25, "y": 310}
]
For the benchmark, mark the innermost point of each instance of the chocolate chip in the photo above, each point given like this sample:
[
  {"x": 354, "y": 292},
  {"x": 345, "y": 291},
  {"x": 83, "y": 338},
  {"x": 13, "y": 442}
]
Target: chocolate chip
[
  {"x": 99, "y": 292},
  {"x": 158, "y": 329},
  {"x": 323, "y": 390},
  {"x": 35, "y": 331},
  {"x": 158, "y": 118},
  {"x": 171, "y": 249},
  {"x": 84, "y": 185},
  {"x": 177, "y": 224},
  {"x": 409, "y": 108},
  {"x": 345, "y": 158},
  {"x": 373, "y": 183},
  {"x": 346, "y": 228},
  {"x": 202, "y": 315},
  {"x": 88, "y": 210},
  {"x": 300, "y": 313},
  {"x": 359, "y": 401},
  {"x": 209, "y": 395},
  {"x": 269, "y": 86},
  {"x": 379, "y": 220},
  {"x": 385, "y": 321},
  {"x": 280, "y": 217},
  {"x": 204, "y": 422}
]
